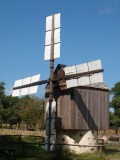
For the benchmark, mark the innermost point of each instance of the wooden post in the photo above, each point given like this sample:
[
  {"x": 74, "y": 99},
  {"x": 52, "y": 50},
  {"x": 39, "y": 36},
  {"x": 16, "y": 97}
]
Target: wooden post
[{"x": 51, "y": 82}]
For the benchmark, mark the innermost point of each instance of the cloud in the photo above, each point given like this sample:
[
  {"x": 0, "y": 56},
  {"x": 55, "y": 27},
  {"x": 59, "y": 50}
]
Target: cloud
[{"x": 110, "y": 9}]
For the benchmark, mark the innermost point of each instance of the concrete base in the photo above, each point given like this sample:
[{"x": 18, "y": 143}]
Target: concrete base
[{"x": 86, "y": 139}]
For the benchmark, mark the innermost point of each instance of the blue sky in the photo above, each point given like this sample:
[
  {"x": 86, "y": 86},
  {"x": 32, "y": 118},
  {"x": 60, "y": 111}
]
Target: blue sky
[{"x": 90, "y": 30}]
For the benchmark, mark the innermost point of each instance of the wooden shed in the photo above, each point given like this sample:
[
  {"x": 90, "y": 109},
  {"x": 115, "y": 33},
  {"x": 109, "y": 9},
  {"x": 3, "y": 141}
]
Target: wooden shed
[{"x": 81, "y": 107}]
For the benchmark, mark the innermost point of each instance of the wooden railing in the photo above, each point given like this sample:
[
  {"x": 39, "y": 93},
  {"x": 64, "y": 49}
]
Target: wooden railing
[{"x": 21, "y": 132}]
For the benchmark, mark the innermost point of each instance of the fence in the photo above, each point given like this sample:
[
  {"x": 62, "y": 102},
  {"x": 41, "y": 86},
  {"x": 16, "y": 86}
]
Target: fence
[
  {"x": 111, "y": 131},
  {"x": 42, "y": 132},
  {"x": 22, "y": 132}
]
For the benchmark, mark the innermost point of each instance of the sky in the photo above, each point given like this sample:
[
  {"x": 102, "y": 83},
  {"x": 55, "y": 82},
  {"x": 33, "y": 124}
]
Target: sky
[{"x": 90, "y": 30}]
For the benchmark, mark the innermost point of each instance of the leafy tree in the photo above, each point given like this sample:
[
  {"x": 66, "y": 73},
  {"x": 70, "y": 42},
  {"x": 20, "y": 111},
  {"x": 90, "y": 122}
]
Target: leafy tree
[
  {"x": 11, "y": 110},
  {"x": 115, "y": 103},
  {"x": 2, "y": 90},
  {"x": 28, "y": 109},
  {"x": 1, "y": 115},
  {"x": 113, "y": 120},
  {"x": 31, "y": 110},
  {"x": 2, "y": 96}
]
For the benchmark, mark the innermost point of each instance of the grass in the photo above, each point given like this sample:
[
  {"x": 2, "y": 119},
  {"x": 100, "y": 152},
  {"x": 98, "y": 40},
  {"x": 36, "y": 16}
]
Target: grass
[
  {"x": 31, "y": 150},
  {"x": 110, "y": 153}
]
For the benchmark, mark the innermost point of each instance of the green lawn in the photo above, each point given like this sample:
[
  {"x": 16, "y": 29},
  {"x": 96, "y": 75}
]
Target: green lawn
[
  {"x": 112, "y": 152},
  {"x": 30, "y": 150},
  {"x": 35, "y": 153}
]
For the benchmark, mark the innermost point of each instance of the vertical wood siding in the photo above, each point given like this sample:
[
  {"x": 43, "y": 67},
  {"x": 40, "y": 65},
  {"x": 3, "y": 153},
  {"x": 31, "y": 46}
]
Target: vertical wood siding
[{"x": 82, "y": 108}]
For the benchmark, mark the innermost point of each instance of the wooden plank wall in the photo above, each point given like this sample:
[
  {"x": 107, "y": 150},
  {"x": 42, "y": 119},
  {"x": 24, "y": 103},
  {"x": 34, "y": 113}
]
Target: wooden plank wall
[{"x": 83, "y": 108}]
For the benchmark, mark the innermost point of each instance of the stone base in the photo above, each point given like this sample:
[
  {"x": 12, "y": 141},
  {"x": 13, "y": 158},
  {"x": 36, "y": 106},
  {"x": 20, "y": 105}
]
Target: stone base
[{"x": 77, "y": 141}]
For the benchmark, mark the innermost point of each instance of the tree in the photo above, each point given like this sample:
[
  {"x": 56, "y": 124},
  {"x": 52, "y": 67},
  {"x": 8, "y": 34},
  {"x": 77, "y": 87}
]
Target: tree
[
  {"x": 2, "y": 96},
  {"x": 11, "y": 110},
  {"x": 113, "y": 120},
  {"x": 2, "y": 90},
  {"x": 28, "y": 109},
  {"x": 31, "y": 110},
  {"x": 115, "y": 103}
]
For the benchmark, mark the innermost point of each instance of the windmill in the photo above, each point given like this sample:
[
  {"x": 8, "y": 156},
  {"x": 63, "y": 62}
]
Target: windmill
[{"x": 82, "y": 74}]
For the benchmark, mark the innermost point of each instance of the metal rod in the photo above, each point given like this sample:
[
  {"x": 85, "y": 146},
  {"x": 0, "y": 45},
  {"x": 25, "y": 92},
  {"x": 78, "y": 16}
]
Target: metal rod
[{"x": 80, "y": 145}]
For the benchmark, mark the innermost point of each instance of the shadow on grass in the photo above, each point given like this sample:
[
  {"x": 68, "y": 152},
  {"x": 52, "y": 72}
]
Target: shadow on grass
[
  {"x": 58, "y": 155},
  {"x": 22, "y": 149},
  {"x": 62, "y": 156},
  {"x": 28, "y": 149},
  {"x": 112, "y": 151},
  {"x": 66, "y": 155}
]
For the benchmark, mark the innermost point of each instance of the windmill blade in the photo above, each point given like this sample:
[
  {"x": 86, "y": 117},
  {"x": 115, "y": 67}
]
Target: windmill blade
[
  {"x": 26, "y": 82},
  {"x": 86, "y": 79},
  {"x": 52, "y": 38}
]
